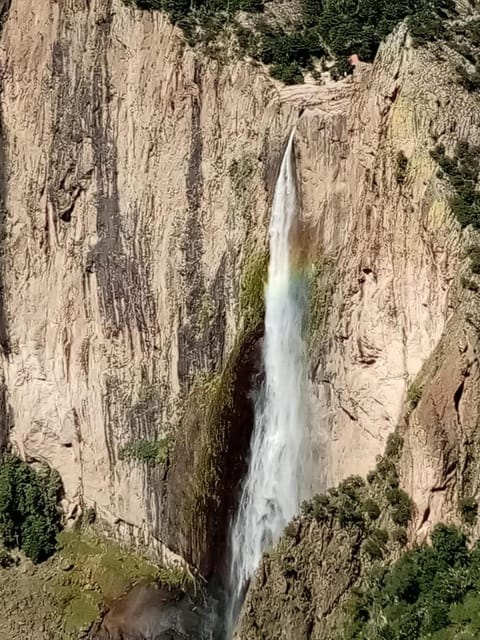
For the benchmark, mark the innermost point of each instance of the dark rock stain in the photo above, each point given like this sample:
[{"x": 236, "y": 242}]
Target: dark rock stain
[
  {"x": 190, "y": 343},
  {"x": 4, "y": 338},
  {"x": 121, "y": 272}
]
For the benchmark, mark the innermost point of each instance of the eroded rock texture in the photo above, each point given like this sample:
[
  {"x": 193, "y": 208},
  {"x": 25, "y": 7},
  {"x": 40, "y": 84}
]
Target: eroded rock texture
[{"x": 137, "y": 179}]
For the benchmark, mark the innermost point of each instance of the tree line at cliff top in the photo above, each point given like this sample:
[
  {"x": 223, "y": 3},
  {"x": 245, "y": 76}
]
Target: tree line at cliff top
[{"x": 324, "y": 29}]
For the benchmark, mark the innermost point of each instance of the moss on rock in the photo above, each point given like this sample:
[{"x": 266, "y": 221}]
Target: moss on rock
[{"x": 252, "y": 290}]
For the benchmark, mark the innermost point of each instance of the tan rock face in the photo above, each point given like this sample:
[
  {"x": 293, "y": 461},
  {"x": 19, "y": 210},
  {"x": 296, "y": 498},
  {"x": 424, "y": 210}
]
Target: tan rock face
[{"x": 138, "y": 179}]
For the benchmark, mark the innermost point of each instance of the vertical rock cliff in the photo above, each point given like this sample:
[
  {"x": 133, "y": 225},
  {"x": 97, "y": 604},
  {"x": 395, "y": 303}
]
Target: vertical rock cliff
[{"x": 136, "y": 183}]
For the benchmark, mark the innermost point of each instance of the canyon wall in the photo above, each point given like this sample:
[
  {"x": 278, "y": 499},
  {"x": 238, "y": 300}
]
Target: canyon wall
[{"x": 136, "y": 182}]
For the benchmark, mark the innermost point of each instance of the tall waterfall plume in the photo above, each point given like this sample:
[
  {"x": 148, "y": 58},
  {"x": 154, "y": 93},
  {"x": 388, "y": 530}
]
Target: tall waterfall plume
[{"x": 271, "y": 492}]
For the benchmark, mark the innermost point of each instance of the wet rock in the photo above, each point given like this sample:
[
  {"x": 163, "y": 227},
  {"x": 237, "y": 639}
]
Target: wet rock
[{"x": 149, "y": 612}]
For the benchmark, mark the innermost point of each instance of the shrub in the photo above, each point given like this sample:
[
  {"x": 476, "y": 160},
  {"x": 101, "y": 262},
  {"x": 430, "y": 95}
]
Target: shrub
[
  {"x": 318, "y": 507},
  {"x": 386, "y": 471},
  {"x": 6, "y": 559},
  {"x": 469, "y": 80},
  {"x": 371, "y": 508},
  {"x": 288, "y": 73},
  {"x": 468, "y": 508},
  {"x": 29, "y": 517},
  {"x": 151, "y": 452},
  {"x": 400, "y": 535},
  {"x": 414, "y": 394},
  {"x": 401, "y": 506},
  {"x": 425, "y": 27},
  {"x": 469, "y": 284},
  {"x": 401, "y": 167},
  {"x": 394, "y": 446},
  {"x": 449, "y": 545},
  {"x": 341, "y": 69},
  {"x": 347, "y": 511},
  {"x": 373, "y": 548},
  {"x": 380, "y": 535},
  {"x": 291, "y": 530},
  {"x": 351, "y": 486},
  {"x": 475, "y": 261}
]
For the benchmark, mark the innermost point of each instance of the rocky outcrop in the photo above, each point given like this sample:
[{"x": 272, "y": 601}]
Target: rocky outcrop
[
  {"x": 298, "y": 589},
  {"x": 440, "y": 464}
]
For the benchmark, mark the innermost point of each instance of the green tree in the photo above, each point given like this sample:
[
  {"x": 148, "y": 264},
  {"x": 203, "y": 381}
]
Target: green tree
[{"x": 29, "y": 515}]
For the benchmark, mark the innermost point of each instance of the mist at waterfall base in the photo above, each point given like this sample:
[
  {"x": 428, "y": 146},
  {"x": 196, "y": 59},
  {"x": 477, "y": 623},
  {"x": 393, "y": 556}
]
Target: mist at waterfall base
[{"x": 271, "y": 491}]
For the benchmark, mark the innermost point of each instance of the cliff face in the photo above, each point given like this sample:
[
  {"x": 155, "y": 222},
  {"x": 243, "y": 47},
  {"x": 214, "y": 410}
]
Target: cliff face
[
  {"x": 401, "y": 343},
  {"x": 137, "y": 179}
]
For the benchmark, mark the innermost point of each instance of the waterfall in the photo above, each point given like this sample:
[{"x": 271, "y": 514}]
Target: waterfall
[{"x": 271, "y": 492}]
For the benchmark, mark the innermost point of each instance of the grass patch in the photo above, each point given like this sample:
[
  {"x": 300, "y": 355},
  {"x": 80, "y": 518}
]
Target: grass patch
[
  {"x": 95, "y": 571},
  {"x": 112, "y": 568}
]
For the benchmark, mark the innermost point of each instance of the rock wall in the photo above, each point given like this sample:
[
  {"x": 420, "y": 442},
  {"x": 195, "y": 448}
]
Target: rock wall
[
  {"x": 403, "y": 301},
  {"x": 137, "y": 178}
]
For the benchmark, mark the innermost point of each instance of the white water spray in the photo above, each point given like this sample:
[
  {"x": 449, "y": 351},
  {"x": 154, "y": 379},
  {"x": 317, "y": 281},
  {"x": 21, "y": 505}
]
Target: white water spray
[{"x": 271, "y": 493}]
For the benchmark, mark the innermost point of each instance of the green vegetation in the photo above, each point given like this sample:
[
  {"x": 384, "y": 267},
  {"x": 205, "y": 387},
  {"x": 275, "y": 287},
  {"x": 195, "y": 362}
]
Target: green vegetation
[
  {"x": 427, "y": 23},
  {"x": 400, "y": 535},
  {"x": 468, "y": 508},
  {"x": 29, "y": 515},
  {"x": 371, "y": 508},
  {"x": 6, "y": 559},
  {"x": 252, "y": 290},
  {"x": 327, "y": 30},
  {"x": 465, "y": 39},
  {"x": 356, "y": 504},
  {"x": 394, "y": 445},
  {"x": 431, "y": 592},
  {"x": 99, "y": 571},
  {"x": 216, "y": 405},
  {"x": 151, "y": 452},
  {"x": 414, "y": 394},
  {"x": 468, "y": 283},
  {"x": 320, "y": 286},
  {"x": 375, "y": 545},
  {"x": 470, "y": 80},
  {"x": 461, "y": 170},
  {"x": 401, "y": 167},
  {"x": 474, "y": 254},
  {"x": 401, "y": 506}
]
